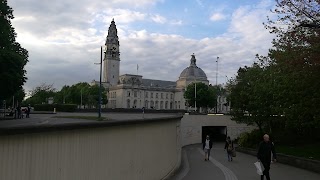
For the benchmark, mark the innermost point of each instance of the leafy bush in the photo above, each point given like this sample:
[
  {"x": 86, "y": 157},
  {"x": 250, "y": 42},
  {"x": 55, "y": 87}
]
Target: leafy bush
[
  {"x": 250, "y": 140},
  {"x": 43, "y": 107},
  {"x": 59, "y": 107}
]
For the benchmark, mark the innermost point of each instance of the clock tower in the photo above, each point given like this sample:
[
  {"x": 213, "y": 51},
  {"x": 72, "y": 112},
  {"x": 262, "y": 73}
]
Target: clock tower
[{"x": 112, "y": 56}]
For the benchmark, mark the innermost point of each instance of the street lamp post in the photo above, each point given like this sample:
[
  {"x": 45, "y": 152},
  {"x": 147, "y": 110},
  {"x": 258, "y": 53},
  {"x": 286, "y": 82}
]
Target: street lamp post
[
  {"x": 100, "y": 85},
  {"x": 195, "y": 96},
  {"x": 217, "y": 84},
  {"x": 81, "y": 99}
]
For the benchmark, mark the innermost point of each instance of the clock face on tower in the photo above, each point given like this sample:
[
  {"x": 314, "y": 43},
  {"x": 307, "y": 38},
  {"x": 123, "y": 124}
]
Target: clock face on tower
[{"x": 114, "y": 48}]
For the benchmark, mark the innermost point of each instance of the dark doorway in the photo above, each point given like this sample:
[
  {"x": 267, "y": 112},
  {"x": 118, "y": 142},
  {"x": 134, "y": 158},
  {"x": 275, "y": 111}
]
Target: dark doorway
[{"x": 216, "y": 133}]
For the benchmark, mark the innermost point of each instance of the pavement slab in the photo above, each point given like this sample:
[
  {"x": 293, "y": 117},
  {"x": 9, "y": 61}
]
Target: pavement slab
[{"x": 241, "y": 168}]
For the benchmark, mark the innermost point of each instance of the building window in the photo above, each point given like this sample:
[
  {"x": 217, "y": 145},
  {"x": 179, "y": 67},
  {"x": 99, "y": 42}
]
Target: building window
[
  {"x": 146, "y": 104},
  {"x": 135, "y": 93},
  {"x": 128, "y": 94},
  {"x": 113, "y": 103},
  {"x": 146, "y": 94},
  {"x": 134, "y": 104},
  {"x": 161, "y": 95},
  {"x": 166, "y": 105},
  {"x": 128, "y": 103},
  {"x": 179, "y": 104},
  {"x": 156, "y": 95},
  {"x": 166, "y": 95},
  {"x": 171, "y": 105},
  {"x": 151, "y": 95},
  {"x": 157, "y": 105},
  {"x": 161, "y": 105},
  {"x": 151, "y": 104}
]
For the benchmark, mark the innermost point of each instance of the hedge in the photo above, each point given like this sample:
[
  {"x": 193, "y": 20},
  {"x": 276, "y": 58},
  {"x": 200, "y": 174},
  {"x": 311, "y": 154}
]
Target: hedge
[
  {"x": 250, "y": 139},
  {"x": 59, "y": 107}
]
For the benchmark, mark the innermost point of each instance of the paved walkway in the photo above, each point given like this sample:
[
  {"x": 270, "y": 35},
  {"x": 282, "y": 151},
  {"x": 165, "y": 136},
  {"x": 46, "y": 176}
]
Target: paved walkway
[
  {"x": 241, "y": 168},
  {"x": 40, "y": 119}
]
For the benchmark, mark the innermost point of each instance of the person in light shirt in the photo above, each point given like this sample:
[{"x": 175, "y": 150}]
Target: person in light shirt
[{"x": 206, "y": 146}]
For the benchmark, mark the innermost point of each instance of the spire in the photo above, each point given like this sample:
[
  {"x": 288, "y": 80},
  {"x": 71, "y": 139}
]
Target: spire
[
  {"x": 193, "y": 60},
  {"x": 112, "y": 32},
  {"x": 112, "y": 37}
]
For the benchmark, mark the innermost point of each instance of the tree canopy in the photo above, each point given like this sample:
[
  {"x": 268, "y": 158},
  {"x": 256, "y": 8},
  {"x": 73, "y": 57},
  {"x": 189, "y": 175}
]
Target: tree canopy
[
  {"x": 80, "y": 93},
  {"x": 13, "y": 57},
  {"x": 206, "y": 96},
  {"x": 282, "y": 89}
]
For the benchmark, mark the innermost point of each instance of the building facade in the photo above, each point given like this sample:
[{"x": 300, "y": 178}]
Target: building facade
[{"x": 133, "y": 91}]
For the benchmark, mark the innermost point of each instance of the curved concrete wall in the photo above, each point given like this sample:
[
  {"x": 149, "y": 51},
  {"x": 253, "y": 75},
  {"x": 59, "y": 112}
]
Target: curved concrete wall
[
  {"x": 191, "y": 127},
  {"x": 144, "y": 151}
]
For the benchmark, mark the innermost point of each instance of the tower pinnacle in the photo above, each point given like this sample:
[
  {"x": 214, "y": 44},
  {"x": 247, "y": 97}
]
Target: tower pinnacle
[{"x": 193, "y": 60}]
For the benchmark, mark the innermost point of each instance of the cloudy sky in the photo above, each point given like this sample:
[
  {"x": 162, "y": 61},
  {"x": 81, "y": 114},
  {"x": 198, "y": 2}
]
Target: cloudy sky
[{"x": 63, "y": 37}]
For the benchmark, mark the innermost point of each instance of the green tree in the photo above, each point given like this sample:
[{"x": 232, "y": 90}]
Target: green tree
[
  {"x": 73, "y": 95},
  {"x": 205, "y": 95},
  {"x": 296, "y": 55},
  {"x": 62, "y": 96},
  {"x": 40, "y": 94},
  {"x": 295, "y": 13},
  {"x": 13, "y": 57},
  {"x": 281, "y": 90},
  {"x": 17, "y": 97},
  {"x": 247, "y": 101},
  {"x": 93, "y": 96}
]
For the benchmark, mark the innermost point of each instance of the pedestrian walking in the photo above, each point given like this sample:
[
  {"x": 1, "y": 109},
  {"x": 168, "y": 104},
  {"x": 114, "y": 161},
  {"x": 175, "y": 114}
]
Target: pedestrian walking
[
  {"x": 19, "y": 112},
  {"x": 264, "y": 155},
  {"x": 229, "y": 147},
  {"x": 206, "y": 146},
  {"x": 28, "y": 111}
]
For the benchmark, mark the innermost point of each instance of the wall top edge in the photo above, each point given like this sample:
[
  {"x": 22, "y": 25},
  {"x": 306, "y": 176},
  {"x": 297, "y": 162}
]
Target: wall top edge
[{"x": 49, "y": 127}]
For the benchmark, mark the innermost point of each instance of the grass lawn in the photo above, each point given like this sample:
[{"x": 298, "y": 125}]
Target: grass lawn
[
  {"x": 310, "y": 151},
  {"x": 83, "y": 117}
]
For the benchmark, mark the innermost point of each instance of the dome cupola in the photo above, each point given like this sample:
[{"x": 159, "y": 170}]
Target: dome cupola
[{"x": 192, "y": 74}]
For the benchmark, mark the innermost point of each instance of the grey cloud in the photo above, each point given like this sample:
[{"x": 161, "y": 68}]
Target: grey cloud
[
  {"x": 50, "y": 16},
  {"x": 159, "y": 56},
  {"x": 67, "y": 74}
]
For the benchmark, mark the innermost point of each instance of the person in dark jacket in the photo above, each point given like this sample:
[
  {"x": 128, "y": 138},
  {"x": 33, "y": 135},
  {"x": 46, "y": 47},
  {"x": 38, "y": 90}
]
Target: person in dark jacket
[
  {"x": 28, "y": 111},
  {"x": 229, "y": 147},
  {"x": 206, "y": 146},
  {"x": 19, "y": 112},
  {"x": 264, "y": 155}
]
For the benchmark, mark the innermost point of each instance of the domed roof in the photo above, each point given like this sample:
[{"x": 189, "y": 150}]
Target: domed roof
[{"x": 193, "y": 71}]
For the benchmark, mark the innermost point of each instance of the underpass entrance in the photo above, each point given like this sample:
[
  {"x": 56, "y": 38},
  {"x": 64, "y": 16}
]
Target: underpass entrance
[{"x": 216, "y": 133}]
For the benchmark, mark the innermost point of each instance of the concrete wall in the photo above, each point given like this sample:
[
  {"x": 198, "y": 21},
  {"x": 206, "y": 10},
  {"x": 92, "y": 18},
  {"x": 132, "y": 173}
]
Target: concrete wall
[
  {"x": 144, "y": 151},
  {"x": 191, "y": 127}
]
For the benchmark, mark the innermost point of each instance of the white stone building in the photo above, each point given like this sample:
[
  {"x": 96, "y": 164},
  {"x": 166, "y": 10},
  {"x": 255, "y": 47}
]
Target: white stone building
[{"x": 133, "y": 91}]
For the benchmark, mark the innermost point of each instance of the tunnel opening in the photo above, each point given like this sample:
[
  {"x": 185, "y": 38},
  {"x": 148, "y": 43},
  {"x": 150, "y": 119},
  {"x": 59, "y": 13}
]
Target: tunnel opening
[{"x": 216, "y": 133}]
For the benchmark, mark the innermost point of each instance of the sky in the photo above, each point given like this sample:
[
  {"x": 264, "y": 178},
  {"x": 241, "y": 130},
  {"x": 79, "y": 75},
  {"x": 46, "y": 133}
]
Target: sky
[{"x": 64, "y": 37}]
